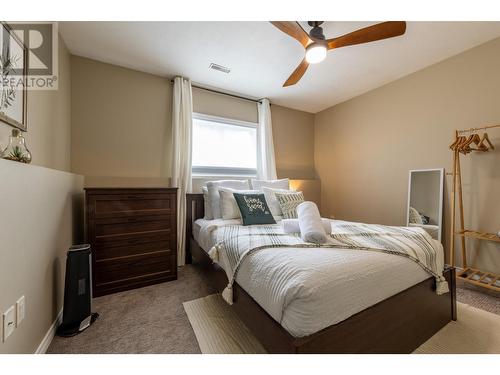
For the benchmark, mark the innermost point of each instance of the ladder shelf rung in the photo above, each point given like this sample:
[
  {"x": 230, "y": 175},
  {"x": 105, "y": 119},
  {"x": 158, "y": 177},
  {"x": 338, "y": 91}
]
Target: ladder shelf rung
[
  {"x": 478, "y": 235},
  {"x": 468, "y": 273}
]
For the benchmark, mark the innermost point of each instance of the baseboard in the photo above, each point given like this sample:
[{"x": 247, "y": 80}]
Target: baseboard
[{"x": 49, "y": 336}]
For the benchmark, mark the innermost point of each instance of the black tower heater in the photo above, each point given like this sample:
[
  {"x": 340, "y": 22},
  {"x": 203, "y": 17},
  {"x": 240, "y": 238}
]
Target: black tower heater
[{"x": 77, "y": 313}]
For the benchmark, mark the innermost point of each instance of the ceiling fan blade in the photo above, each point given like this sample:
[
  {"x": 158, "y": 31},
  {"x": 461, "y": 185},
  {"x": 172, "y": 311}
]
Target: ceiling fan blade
[
  {"x": 294, "y": 30},
  {"x": 379, "y": 31},
  {"x": 297, "y": 74}
]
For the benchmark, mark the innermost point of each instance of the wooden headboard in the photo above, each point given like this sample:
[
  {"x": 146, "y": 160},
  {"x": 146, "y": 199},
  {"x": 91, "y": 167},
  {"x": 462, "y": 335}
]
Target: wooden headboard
[{"x": 195, "y": 209}]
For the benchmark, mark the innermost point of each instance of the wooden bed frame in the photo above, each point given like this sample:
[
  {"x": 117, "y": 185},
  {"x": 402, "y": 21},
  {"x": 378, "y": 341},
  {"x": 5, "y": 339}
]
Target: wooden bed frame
[{"x": 399, "y": 324}]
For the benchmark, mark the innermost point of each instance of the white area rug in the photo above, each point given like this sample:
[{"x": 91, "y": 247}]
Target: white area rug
[{"x": 219, "y": 331}]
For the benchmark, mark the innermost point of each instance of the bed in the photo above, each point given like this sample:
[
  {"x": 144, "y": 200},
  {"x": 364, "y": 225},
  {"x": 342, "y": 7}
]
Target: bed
[{"x": 396, "y": 316}]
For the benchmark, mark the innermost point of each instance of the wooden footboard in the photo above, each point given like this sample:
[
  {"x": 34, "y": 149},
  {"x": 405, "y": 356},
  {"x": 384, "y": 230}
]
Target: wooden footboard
[{"x": 398, "y": 324}]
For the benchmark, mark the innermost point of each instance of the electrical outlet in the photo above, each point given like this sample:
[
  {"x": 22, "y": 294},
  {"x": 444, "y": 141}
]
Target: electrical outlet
[
  {"x": 9, "y": 322},
  {"x": 20, "y": 310}
]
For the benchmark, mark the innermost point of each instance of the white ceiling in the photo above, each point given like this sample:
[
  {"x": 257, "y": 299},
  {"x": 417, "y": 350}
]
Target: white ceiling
[{"x": 261, "y": 57}]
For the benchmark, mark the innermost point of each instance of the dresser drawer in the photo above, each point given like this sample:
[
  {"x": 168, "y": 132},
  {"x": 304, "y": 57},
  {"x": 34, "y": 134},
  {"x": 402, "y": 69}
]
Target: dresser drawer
[
  {"x": 133, "y": 282},
  {"x": 113, "y": 228},
  {"x": 133, "y": 239},
  {"x": 114, "y": 204},
  {"x": 119, "y": 219},
  {"x": 121, "y": 250},
  {"x": 116, "y": 270}
]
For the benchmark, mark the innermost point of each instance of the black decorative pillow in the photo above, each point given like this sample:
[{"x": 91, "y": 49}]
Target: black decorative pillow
[
  {"x": 254, "y": 209},
  {"x": 425, "y": 219}
]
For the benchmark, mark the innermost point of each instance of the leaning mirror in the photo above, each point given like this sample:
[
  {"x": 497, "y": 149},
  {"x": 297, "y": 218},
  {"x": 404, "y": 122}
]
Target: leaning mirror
[{"x": 425, "y": 201}]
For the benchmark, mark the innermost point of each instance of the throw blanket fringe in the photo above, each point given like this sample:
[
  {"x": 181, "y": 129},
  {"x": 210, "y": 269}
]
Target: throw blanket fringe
[
  {"x": 235, "y": 243},
  {"x": 214, "y": 254},
  {"x": 227, "y": 294}
]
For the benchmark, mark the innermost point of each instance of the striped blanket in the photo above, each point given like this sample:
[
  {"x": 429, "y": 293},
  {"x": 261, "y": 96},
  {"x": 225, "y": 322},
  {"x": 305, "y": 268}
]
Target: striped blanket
[{"x": 235, "y": 243}]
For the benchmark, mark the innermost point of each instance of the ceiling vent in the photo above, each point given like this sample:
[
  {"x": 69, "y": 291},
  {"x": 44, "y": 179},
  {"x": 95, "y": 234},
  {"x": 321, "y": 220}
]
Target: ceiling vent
[{"x": 220, "y": 68}]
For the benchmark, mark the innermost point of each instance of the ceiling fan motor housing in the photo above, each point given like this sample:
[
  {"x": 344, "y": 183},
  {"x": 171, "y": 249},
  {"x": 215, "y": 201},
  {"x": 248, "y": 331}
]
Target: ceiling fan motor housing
[{"x": 317, "y": 31}]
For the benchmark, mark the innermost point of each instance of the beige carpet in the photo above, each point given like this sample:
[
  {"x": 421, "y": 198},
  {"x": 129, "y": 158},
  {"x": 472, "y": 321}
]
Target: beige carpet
[
  {"x": 219, "y": 330},
  {"x": 141, "y": 321}
]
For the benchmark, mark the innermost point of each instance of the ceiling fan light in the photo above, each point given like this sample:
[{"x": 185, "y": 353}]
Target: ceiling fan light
[{"x": 315, "y": 53}]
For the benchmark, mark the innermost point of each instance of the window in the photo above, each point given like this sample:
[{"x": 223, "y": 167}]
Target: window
[{"x": 224, "y": 147}]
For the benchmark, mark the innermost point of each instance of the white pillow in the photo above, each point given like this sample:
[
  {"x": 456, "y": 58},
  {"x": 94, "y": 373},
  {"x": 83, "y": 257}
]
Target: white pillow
[
  {"x": 213, "y": 192},
  {"x": 415, "y": 217},
  {"x": 228, "y": 206},
  {"x": 272, "y": 201},
  {"x": 275, "y": 184},
  {"x": 208, "y": 206}
]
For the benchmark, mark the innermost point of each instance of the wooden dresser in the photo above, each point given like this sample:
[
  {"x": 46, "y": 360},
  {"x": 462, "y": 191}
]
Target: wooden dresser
[{"x": 133, "y": 234}]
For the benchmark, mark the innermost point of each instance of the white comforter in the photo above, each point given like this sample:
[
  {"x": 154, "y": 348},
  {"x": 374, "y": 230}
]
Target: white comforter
[{"x": 306, "y": 290}]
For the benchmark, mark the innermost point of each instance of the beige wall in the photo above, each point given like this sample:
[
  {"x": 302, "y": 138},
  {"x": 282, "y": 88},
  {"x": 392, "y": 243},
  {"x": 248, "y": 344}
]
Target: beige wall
[
  {"x": 293, "y": 133},
  {"x": 365, "y": 147},
  {"x": 49, "y": 130},
  {"x": 121, "y": 126},
  {"x": 41, "y": 217},
  {"x": 215, "y": 104},
  {"x": 39, "y": 213},
  {"x": 119, "y": 121}
]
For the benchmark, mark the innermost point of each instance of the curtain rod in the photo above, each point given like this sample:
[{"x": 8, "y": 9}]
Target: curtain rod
[{"x": 223, "y": 93}]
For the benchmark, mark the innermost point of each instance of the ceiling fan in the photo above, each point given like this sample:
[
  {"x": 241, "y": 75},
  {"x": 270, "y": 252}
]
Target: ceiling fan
[{"x": 316, "y": 45}]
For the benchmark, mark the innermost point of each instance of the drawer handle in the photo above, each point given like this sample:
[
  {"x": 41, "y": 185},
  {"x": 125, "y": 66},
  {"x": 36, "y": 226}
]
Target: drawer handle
[
  {"x": 133, "y": 242},
  {"x": 132, "y": 219},
  {"x": 133, "y": 197}
]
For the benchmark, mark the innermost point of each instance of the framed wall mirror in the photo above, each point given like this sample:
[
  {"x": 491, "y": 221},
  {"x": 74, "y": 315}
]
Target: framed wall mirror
[{"x": 425, "y": 201}]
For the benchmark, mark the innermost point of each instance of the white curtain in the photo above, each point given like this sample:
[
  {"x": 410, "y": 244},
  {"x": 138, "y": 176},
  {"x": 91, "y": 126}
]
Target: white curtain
[
  {"x": 266, "y": 167},
  {"x": 182, "y": 126}
]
